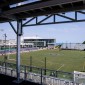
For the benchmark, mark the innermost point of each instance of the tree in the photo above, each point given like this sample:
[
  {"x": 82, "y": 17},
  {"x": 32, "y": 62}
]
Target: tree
[{"x": 83, "y": 42}]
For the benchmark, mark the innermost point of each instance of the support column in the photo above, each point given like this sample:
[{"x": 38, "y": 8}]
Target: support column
[
  {"x": 19, "y": 33},
  {"x": 18, "y": 58}
]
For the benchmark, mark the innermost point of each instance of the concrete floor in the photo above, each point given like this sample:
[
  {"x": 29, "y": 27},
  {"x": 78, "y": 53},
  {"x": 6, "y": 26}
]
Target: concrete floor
[{"x": 8, "y": 80}]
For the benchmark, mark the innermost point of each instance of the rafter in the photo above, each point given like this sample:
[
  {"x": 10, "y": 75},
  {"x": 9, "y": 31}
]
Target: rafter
[
  {"x": 65, "y": 17},
  {"x": 29, "y": 21},
  {"x": 44, "y": 19},
  {"x": 53, "y": 19},
  {"x": 60, "y": 22},
  {"x": 13, "y": 27}
]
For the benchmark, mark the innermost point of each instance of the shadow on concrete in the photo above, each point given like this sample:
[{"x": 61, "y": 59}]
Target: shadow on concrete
[{"x": 8, "y": 80}]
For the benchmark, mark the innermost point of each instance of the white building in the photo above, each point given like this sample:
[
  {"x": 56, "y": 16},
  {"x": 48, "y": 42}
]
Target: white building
[
  {"x": 74, "y": 46},
  {"x": 30, "y": 42},
  {"x": 38, "y": 42}
]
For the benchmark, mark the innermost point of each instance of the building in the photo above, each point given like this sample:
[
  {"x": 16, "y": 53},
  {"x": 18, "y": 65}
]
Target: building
[
  {"x": 73, "y": 46},
  {"x": 37, "y": 42},
  {"x": 7, "y": 44},
  {"x": 29, "y": 42}
]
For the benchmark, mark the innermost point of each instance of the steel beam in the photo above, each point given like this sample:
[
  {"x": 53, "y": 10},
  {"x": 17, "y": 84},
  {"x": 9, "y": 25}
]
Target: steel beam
[
  {"x": 60, "y": 22},
  {"x": 29, "y": 21},
  {"x": 13, "y": 27},
  {"x": 65, "y": 17},
  {"x": 44, "y": 19},
  {"x": 54, "y": 21}
]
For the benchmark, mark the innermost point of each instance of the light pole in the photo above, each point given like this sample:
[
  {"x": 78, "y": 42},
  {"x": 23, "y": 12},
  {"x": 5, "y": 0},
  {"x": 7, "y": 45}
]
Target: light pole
[
  {"x": 1, "y": 39},
  {"x": 36, "y": 41},
  {"x": 9, "y": 49},
  {"x": 5, "y": 57}
]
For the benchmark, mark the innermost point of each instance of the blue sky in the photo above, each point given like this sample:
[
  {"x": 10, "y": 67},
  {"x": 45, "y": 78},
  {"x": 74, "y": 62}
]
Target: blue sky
[
  {"x": 70, "y": 32},
  {"x": 63, "y": 33}
]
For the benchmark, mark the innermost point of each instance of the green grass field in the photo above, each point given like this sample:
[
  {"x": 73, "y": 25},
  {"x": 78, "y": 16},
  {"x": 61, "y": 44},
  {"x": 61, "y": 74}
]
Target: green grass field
[{"x": 65, "y": 60}]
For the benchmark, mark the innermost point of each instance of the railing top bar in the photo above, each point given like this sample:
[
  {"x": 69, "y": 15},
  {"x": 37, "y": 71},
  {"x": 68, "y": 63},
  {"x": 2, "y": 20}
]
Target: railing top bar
[{"x": 37, "y": 68}]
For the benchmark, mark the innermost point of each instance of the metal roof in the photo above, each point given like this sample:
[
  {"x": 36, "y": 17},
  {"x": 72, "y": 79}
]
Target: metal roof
[{"x": 36, "y": 8}]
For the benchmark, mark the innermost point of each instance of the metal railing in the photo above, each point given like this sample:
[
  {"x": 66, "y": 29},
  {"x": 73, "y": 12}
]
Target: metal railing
[{"x": 38, "y": 75}]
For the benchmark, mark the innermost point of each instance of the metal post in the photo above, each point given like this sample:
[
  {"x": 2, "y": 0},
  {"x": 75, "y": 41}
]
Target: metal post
[
  {"x": 41, "y": 76},
  {"x": 19, "y": 33},
  {"x": 45, "y": 67},
  {"x": 36, "y": 41},
  {"x": 18, "y": 58},
  {"x": 30, "y": 63},
  {"x": 56, "y": 73},
  {"x": 5, "y": 57},
  {"x": 25, "y": 73},
  {"x": 9, "y": 49}
]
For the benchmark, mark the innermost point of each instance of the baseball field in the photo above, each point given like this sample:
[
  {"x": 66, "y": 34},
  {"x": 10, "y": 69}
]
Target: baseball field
[{"x": 65, "y": 60}]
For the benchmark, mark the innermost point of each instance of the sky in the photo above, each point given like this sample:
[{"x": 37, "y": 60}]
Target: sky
[{"x": 63, "y": 33}]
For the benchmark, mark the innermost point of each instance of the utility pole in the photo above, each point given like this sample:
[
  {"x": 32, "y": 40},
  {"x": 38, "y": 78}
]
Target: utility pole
[
  {"x": 5, "y": 57},
  {"x": 36, "y": 41},
  {"x": 1, "y": 39}
]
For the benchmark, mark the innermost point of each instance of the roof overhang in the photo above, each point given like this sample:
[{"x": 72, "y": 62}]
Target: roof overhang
[{"x": 39, "y": 8}]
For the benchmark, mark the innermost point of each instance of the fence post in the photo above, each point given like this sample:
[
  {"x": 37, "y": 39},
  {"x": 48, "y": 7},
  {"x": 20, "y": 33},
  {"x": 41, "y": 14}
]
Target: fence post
[
  {"x": 56, "y": 74},
  {"x": 41, "y": 76},
  {"x": 45, "y": 67},
  {"x": 5, "y": 67},
  {"x": 12, "y": 72},
  {"x": 73, "y": 78},
  {"x": 30, "y": 63},
  {"x": 25, "y": 75}
]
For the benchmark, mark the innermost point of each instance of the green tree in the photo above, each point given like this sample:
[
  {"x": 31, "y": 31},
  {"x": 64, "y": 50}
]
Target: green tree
[{"x": 84, "y": 42}]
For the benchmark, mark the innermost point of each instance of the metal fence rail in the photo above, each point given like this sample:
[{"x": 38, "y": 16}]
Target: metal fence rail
[{"x": 38, "y": 76}]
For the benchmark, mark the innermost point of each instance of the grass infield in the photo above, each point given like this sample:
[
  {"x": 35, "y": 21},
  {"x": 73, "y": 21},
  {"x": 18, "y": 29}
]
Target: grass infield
[{"x": 65, "y": 60}]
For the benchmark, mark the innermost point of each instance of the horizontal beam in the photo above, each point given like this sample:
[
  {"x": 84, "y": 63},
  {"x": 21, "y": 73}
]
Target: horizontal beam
[
  {"x": 60, "y": 22},
  {"x": 38, "y": 6}
]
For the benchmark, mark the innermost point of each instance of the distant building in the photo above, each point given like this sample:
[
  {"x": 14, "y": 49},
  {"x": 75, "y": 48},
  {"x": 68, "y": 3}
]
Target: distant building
[
  {"x": 38, "y": 42},
  {"x": 30, "y": 42},
  {"x": 73, "y": 46},
  {"x": 7, "y": 43}
]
